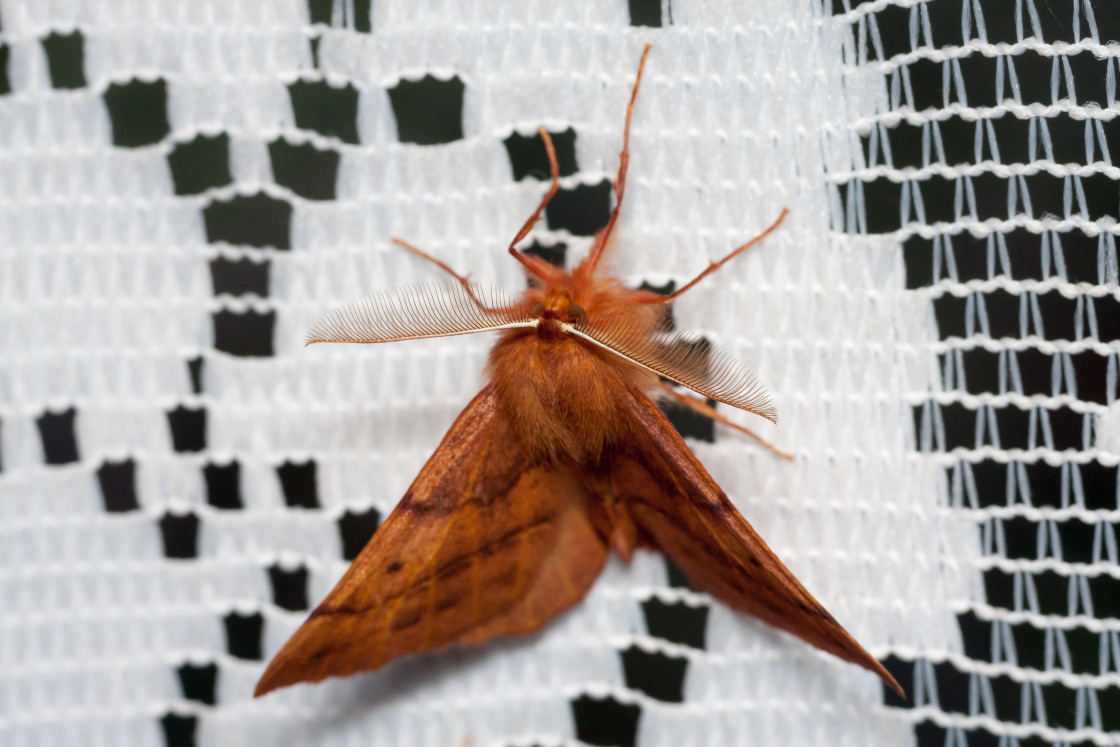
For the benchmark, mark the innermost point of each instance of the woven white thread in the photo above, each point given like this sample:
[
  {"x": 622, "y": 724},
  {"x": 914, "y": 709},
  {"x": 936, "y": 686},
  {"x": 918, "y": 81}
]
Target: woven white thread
[{"x": 107, "y": 291}]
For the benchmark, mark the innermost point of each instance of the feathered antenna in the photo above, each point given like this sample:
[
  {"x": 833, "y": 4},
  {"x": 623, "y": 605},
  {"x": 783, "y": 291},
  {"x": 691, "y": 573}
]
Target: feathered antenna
[
  {"x": 420, "y": 311},
  {"x": 687, "y": 359}
]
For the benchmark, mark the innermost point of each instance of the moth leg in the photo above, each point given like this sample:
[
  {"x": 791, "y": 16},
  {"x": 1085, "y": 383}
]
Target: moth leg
[
  {"x": 463, "y": 280},
  {"x": 716, "y": 265},
  {"x": 535, "y": 266},
  {"x": 708, "y": 411},
  {"x": 623, "y": 166}
]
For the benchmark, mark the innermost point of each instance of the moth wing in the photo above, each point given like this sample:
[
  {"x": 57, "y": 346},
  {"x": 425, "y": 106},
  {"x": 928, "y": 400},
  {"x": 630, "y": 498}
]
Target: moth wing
[
  {"x": 483, "y": 544},
  {"x": 678, "y": 506}
]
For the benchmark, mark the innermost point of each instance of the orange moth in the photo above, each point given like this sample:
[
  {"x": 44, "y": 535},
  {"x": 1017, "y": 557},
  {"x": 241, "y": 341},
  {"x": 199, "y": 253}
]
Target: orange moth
[{"x": 561, "y": 458}]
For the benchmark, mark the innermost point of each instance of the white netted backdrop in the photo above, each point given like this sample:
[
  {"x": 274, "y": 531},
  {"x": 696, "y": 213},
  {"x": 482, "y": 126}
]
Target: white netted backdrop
[{"x": 186, "y": 186}]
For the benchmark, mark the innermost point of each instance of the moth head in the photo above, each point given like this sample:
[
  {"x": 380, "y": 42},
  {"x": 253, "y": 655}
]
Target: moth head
[{"x": 559, "y": 307}]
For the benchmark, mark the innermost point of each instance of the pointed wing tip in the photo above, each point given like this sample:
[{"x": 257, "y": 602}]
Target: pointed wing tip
[
  {"x": 266, "y": 684},
  {"x": 876, "y": 667},
  {"x": 892, "y": 683},
  {"x": 282, "y": 674}
]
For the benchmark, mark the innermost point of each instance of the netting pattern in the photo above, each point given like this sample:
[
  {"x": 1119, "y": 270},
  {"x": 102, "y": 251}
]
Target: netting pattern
[
  {"x": 987, "y": 155},
  {"x": 186, "y": 187}
]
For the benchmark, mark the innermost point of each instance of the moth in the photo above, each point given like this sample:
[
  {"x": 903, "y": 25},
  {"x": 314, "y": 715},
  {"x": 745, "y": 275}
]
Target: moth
[{"x": 559, "y": 460}]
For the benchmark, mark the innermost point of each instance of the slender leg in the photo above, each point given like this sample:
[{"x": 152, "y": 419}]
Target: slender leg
[
  {"x": 623, "y": 165},
  {"x": 540, "y": 269},
  {"x": 708, "y": 411},
  {"x": 716, "y": 265},
  {"x": 463, "y": 280}
]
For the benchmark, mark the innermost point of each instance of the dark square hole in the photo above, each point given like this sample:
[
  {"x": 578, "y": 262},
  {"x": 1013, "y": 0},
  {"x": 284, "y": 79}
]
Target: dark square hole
[
  {"x": 298, "y": 482},
  {"x": 1030, "y": 645},
  {"x": 998, "y": 588},
  {"x": 1043, "y": 481},
  {"x": 1060, "y": 699},
  {"x": 138, "y": 112},
  {"x": 178, "y": 731},
  {"x": 1090, "y": 75},
  {"x": 223, "y": 485},
  {"x": 56, "y": 431},
  {"x": 188, "y": 428},
  {"x": 979, "y": 74},
  {"x": 250, "y": 220},
  {"x": 66, "y": 59},
  {"x": 5, "y": 80},
  {"x": 528, "y": 157},
  {"x": 356, "y": 530},
  {"x": 429, "y": 111},
  {"x": 1079, "y": 252},
  {"x": 1076, "y": 539},
  {"x": 322, "y": 11},
  {"x": 952, "y": 687},
  {"x": 1034, "y": 370},
  {"x": 1107, "y": 310},
  {"x": 319, "y": 107},
  {"x": 180, "y": 535},
  {"x": 893, "y": 24},
  {"x": 1090, "y": 370},
  {"x": 194, "y": 369},
  {"x": 243, "y": 635},
  {"x": 200, "y": 164},
  {"x": 981, "y": 368},
  {"x": 1098, "y": 482},
  {"x": 605, "y": 722},
  {"x": 1002, "y": 310},
  {"x": 926, "y": 84},
  {"x": 958, "y": 138},
  {"x": 118, "y": 486},
  {"x": 1021, "y": 537},
  {"x": 657, "y": 675},
  {"x": 939, "y": 195},
  {"x": 289, "y": 588},
  {"x": 304, "y": 169},
  {"x": 677, "y": 622},
  {"x": 976, "y": 635},
  {"x": 1109, "y": 699},
  {"x": 881, "y": 199},
  {"x": 247, "y": 335},
  {"x": 645, "y": 13},
  {"x": 582, "y": 210},
  {"x": 239, "y": 277},
  {"x": 950, "y": 312},
  {"x": 1105, "y": 591},
  {"x": 198, "y": 682}
]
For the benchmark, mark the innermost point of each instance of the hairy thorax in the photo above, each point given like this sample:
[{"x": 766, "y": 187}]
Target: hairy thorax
[{"x": 561, "y": 392}]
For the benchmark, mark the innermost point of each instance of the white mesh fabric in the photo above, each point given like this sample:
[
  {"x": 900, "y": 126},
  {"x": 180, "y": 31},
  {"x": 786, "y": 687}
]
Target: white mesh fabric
[{"x": 112, "y": 273}]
